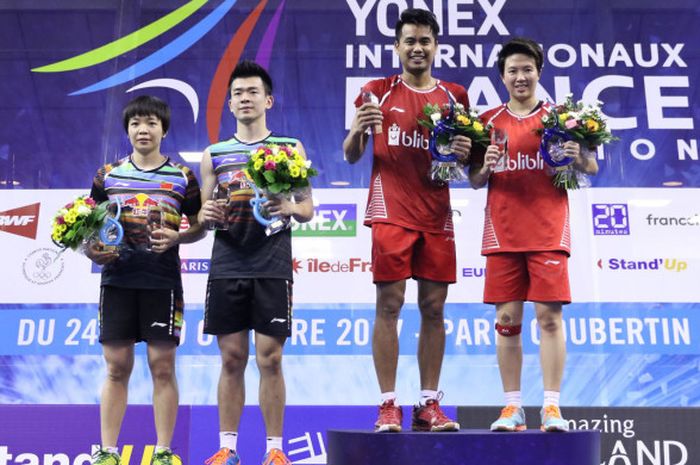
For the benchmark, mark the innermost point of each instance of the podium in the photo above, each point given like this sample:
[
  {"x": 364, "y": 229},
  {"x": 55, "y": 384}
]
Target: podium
[{"x": 465, "y": 447}]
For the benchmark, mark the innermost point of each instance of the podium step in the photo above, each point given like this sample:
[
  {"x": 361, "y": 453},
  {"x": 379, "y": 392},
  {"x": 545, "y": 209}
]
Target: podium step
[{"x": 466, "y": 447}]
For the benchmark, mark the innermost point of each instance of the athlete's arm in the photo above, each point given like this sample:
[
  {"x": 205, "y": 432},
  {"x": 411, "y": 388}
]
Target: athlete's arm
[
  {"x": 367, "y": 116},
  {"x": 210, "y": 211},
  {"x": 481, "y": 167},
  {"x": 585, "y": 163}
]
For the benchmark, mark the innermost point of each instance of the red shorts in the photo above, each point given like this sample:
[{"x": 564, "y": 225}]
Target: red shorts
[
  {"x": 533, "y": 276},
  {"x": 399, "y": 253}
]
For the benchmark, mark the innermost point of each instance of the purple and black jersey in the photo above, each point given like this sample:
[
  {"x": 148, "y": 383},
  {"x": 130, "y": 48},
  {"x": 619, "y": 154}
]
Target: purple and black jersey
[{"x": 170, "y": 190}]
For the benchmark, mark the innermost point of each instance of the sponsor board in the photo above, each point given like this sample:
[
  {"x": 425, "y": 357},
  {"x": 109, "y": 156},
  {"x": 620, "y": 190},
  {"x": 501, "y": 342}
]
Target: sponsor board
[
  {"x": 610, "y": 219},
  {"x": 654, "y": 264},
  {"x": 330, "y": 220},
  {"x": 68, "y": 434},
  {"x": 317, "y": 265},
  {"x": 21, "y": 221},
  {"x": 629, "y": 435}
]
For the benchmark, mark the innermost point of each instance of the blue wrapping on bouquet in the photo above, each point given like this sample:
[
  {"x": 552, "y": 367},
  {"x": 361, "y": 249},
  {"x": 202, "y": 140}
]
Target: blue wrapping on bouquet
[
  {"x": 445, "y": 166},
  {"x": 272, "y": 224},
  {"x": 552, "y": 147}
]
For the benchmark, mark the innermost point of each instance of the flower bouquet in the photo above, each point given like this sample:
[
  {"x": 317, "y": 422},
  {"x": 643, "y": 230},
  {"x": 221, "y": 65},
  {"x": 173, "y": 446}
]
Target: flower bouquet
[
  {"x": 78, "y": 223},
  {"x": 276, "y": 170},
  {"x": 576, "y": 122},
  {"x": 444, "y": 122}
]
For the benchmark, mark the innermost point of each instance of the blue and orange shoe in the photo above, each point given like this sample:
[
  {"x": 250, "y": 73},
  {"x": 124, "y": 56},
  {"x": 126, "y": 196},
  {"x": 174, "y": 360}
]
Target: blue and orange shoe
[
  {"x": 552, "y": 420},
  {"x": 390, "y": 418},
  {"x": 512, "y": 419},
  {"x": 224, "y": 456},
  {"x": 276, "y": 457}
]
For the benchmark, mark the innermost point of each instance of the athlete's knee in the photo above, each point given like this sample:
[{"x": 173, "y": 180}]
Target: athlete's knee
[
  {"x": 549, "y": 322},
  {"x": 162, "y": 371},
  {"x": 233, "y": 360},
  {"x": 432, "y": 308},
  {"x": 389, "y": 305},
  {"x": 119, "y": 371},
  {"x": 269, "y": 362}
]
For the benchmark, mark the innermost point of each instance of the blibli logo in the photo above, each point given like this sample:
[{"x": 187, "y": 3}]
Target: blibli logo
[
  {"x": 415, "y": 140},
  {"x": 336, "y": 220}
]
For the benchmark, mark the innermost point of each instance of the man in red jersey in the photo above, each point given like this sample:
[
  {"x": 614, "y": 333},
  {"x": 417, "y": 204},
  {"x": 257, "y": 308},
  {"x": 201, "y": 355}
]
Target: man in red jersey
[
  {"x": 526, "y": 237},
  {"x": 410, "y": 216}
]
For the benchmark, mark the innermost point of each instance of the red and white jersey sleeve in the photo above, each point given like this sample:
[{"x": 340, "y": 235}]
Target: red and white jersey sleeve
[
  {"x": 524, "y": 211},
  {"x": 401, "y": 191}
]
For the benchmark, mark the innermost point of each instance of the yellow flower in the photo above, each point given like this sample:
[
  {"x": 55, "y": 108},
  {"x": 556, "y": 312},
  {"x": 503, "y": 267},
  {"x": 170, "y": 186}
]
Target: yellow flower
[
  {"x": 280, "y": 157},
  {"x": 461, "y": 119},
  {"x": 256, "y": 156},
  {"x": 563, "y": 117},
  {"x": 478, "y": 126},
  {"x": 294, "y": 171},
  {"x": 257, "y": 164},
  {"x": 303, "y": 173},
  {"x": 71, "y": 216},
  {"x": 592, "y": 125}
]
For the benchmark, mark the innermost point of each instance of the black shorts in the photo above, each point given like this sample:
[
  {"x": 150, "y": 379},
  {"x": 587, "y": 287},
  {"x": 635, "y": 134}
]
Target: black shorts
[
  {"x": 263, "y": 305},
  {"x": 140, "y": 314}
]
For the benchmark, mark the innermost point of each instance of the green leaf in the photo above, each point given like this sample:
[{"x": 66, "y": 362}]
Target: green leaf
[{"x": 269, "y": 176}]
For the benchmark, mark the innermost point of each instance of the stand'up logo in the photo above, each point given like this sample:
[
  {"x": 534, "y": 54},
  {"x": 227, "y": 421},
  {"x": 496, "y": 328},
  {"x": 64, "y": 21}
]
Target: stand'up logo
[{"x": 21, "y": 221}]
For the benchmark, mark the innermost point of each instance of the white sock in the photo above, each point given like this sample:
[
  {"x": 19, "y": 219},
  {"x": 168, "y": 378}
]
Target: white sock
[
  {"x": 426, "y": 395},
  {"x": 273, "y": 442},
  {"x": 111, "y": 450},
  {"x": 161, "y": 449},
  {"x": 228, "y": 439},
  {"x": 390, "y": 395},
  {"x": 514, "y": 398},
  {"x": 551, "y": 398}
]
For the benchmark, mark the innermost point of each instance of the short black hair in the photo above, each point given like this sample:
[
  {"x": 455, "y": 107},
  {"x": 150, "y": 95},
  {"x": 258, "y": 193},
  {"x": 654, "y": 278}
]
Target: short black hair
[
  {"x": 147, "y": 105},
  {"x": 249, "y": 68},
  {"x": 520, "y": 45},
  {"x": 418, "y": 17}
]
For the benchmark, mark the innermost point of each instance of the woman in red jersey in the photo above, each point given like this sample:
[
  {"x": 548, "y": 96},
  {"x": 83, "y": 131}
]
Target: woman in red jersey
[{"x": 526, "y": 237}]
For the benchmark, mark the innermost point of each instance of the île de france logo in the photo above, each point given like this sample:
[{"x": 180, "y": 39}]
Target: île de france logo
[{"x": 132, "y": 74}]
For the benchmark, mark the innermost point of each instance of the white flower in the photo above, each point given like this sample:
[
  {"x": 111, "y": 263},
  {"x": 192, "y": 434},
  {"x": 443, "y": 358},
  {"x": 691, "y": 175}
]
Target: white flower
[
  {"x": 84, "y": 210},
  {"x": 436, "y": 117},
  {"x": 307, "y": 164}
]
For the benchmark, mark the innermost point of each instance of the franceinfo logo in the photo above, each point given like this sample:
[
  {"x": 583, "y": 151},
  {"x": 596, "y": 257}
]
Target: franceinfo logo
[
  {"x": 691, "y": 220},
  {"x": 610, "y": 219},
  {"x": 330, "y": 220}
]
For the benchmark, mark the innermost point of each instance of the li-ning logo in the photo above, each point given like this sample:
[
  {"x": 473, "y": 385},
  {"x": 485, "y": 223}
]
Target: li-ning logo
[
  {"x": 415, "y": 140},
  {"x": 21, "y": 221}
]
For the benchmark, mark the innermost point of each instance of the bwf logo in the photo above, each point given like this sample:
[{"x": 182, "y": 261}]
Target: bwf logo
[
  {"x": 21, "y": 221},
  {"x": 610, "y": 219}
]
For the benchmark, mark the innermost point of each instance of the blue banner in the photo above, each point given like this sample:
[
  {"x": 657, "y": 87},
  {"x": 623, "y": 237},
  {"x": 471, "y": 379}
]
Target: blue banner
[
  {"x": 59, "y": 123},
  {"x": 347, "y": 330}
]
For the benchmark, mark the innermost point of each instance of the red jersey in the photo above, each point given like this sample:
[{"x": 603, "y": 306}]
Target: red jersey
[
  {"x": 524, "y": 211},
  {"x": 401, "y": 191}
]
